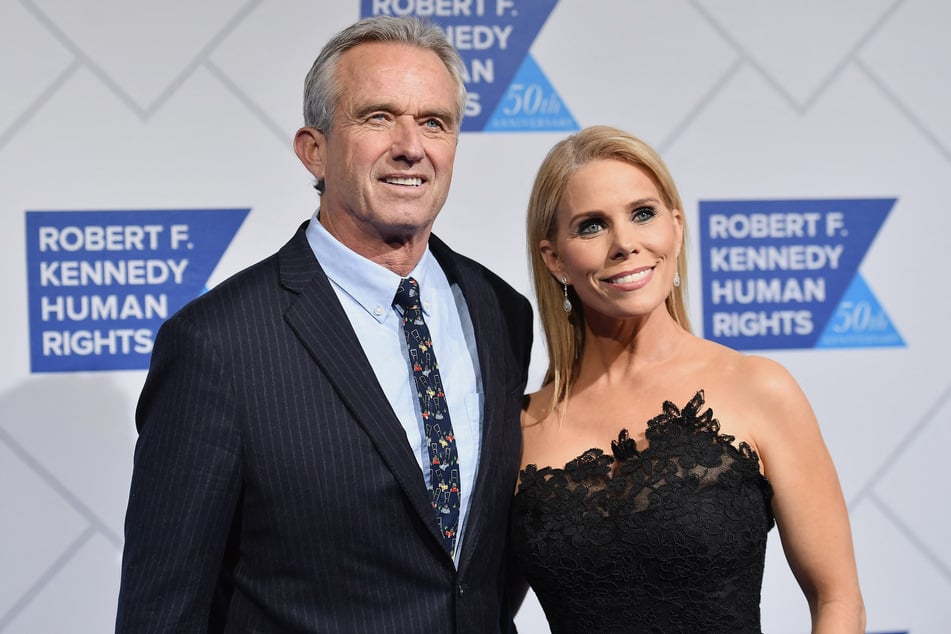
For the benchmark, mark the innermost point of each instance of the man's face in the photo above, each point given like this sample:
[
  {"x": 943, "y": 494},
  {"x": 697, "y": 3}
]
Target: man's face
[{"x": 387, "y": 159}]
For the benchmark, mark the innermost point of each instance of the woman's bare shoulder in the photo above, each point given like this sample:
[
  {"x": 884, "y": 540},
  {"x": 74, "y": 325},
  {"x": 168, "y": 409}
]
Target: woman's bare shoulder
[{"x": 536, "y": 406}]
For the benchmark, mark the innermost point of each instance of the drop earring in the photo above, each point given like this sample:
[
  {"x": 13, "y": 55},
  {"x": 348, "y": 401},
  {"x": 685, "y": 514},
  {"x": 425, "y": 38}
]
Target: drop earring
[
  {"x": 566, "y": 305},
  {"x": 676, "y": 278}
]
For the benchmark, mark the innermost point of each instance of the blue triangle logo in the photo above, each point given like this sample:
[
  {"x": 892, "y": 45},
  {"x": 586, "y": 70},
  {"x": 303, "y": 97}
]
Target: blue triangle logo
[
  {"x": 531, "y": 104},
  {"x": 859, "y": 321}
]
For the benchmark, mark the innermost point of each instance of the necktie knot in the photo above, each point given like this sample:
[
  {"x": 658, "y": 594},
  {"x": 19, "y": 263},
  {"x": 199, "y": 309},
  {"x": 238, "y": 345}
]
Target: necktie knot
[{"x": 407, "y": 295}]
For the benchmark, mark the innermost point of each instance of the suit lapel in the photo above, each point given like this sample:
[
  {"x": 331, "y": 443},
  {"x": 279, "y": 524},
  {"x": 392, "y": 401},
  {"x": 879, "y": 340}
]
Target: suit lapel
[
  {"x": 486, "y": 324},
  {"x": 321, "y": 324}
]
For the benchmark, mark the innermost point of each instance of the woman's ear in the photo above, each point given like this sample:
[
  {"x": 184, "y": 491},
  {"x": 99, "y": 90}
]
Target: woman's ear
[
  {"x": 550, "y": 257},
  {"x": 679, "y": 224}
]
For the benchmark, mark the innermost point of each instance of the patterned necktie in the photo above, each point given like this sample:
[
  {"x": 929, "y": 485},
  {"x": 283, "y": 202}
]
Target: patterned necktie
[{"x": 444, "y": 462}]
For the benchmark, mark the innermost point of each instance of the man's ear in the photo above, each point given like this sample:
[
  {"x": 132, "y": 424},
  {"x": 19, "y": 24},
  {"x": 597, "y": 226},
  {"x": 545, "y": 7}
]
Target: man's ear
[
  {"x": 550, "y": 257},
  {"x": 310, "y": 145}
]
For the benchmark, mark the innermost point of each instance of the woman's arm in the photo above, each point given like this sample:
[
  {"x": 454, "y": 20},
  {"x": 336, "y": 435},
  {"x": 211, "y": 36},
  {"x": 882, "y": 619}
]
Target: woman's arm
[{"x": 810, "y": 509}]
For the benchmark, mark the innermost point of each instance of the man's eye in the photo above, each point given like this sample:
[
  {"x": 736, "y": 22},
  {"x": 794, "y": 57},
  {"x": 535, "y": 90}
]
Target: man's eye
[{"x": 378, "y": 118}]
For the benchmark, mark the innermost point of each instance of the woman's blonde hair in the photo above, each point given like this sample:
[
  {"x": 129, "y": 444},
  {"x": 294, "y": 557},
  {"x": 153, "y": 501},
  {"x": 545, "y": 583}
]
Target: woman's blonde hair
[{"x": 564, "y": 334}]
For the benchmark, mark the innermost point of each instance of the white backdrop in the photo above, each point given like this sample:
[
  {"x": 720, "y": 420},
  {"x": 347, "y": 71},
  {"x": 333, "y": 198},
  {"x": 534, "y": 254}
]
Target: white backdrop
[{"x": 111, "y": 104}]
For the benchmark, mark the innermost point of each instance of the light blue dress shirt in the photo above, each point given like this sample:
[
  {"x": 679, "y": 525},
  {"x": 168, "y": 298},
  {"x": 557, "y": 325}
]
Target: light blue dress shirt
[{"x": 366, "y": 291}]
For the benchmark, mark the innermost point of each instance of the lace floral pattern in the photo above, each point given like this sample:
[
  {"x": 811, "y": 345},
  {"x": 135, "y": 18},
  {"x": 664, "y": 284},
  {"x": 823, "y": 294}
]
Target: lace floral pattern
[{"x": 669, "y": 538}]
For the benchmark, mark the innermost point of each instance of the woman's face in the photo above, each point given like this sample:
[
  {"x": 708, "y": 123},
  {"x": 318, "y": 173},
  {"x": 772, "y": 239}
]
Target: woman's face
[{"x": 617, "y": 243}]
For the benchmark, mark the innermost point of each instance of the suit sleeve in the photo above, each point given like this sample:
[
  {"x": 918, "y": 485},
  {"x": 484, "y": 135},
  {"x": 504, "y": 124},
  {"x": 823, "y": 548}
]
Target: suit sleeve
[
  {"x": 527, "y": 335},
  {"x": 515, "y": 586},
  {"x": 185, "y": 486}
]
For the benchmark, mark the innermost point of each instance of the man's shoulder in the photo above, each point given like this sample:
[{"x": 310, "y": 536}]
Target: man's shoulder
[
  {"x": 466, "y": 270},
  {"x": 257, "y": 284},
  {"x": 235, "y": 293}
]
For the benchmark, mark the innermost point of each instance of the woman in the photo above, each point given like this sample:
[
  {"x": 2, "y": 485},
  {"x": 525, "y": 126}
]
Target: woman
[{"x": 655, "y": 462}]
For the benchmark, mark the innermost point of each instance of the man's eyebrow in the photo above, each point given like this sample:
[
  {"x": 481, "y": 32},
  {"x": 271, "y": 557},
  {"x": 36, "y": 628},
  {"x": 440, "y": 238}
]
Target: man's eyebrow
[
  {"x": 434, "y": 113},
  {"x": 370, "y": 108},
  {"x": 445, "y": 115}
]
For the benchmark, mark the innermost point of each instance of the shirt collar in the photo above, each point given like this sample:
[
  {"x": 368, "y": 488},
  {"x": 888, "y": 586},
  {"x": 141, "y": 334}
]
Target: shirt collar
[{"x": 370, "y": 285}]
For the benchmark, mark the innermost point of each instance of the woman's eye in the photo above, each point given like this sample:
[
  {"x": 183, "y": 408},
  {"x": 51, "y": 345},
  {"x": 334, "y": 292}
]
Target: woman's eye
[
  {"x": 589, "y": 227},
  {"x": 644, "y": 213}
]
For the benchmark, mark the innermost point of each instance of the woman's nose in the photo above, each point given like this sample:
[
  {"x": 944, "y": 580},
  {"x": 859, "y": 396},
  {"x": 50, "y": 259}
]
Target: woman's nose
[{"x": 625, "y": 243}]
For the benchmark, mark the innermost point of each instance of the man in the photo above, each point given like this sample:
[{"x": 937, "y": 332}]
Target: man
[{"x": 284, "y": 480}]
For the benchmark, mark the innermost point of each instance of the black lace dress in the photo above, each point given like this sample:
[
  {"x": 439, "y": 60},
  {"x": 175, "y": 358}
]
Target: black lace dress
[{"x": 671, "y": 538}]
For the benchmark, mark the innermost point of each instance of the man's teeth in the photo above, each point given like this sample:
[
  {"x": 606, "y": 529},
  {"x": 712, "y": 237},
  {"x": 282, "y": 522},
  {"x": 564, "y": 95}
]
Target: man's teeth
[
  {"x": 415, "y": 182},
  {"x": 633, "y": 277}
]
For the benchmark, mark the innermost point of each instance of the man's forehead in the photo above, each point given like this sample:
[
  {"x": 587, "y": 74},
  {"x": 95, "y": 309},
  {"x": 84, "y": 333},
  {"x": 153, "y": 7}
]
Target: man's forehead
[{"x": 397, "y": 77}]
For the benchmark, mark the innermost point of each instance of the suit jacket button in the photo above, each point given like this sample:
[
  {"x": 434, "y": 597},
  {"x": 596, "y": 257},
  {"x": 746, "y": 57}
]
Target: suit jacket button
[{"x": 460, "y": 590}]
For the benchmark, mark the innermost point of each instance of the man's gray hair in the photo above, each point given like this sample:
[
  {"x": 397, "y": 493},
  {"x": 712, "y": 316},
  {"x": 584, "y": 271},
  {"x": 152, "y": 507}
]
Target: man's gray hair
[{"x": 321, "y": 90}]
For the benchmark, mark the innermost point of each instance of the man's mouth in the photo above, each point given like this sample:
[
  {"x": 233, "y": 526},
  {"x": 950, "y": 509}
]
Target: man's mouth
[{"x": 412, "y": 181}]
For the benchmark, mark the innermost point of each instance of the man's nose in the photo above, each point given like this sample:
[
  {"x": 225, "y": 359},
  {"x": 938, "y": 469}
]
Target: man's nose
[{"x": 407, "y": 140}]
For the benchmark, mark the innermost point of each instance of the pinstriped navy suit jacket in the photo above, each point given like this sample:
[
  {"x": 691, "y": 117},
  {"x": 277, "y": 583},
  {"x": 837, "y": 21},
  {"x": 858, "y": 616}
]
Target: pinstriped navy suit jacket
[{"x": 273, "y": 487}]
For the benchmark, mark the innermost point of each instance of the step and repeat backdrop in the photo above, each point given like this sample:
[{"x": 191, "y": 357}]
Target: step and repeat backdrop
[{"x": 145, "y": 155}]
